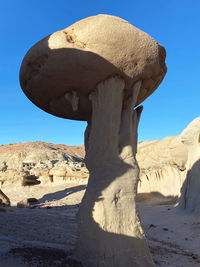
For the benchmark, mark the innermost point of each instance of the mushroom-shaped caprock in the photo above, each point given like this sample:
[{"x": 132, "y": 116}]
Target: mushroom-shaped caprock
[
  {"x": 60, "y": 71},
  {"x": 97, "y": 70}
]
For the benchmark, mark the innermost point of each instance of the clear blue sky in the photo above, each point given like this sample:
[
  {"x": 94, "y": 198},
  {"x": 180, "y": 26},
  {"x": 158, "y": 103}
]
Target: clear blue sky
[{"x": 173, "y": 23}]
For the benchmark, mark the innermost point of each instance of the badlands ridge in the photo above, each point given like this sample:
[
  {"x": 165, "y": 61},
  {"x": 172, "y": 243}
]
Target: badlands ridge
[{"x": 162, "y": 165}]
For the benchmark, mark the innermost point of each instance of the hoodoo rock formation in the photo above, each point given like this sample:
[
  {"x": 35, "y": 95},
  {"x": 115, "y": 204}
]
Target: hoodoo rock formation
[{"x": 98, "y": 70}]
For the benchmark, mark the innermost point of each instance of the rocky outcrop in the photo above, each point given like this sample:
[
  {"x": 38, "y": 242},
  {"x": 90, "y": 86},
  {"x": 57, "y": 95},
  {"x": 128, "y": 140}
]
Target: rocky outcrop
[
  {"x": 172, "y": 166},
  {"x": 162, "y": 165},
  {"x": 190, "y": 192},
  {"x": 4, "y": 200},
  {"x": 40, "y": 163}
]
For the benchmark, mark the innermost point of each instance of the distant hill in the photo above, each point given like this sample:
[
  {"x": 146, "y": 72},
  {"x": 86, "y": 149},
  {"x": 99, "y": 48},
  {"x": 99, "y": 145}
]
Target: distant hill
[{"x": 45, "y": 161}]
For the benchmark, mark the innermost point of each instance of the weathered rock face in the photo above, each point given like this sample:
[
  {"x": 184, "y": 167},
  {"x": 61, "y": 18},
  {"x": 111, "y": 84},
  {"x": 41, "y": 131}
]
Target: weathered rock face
[
  {"x": 162, "y": 166},
  {"x": 108, "y": 217},
  {"x": 190, "y": 192},
  {"x": 76, "y": 59},
  {"x": 35, "y": 163},
  {"x": 4, "y": 200}
]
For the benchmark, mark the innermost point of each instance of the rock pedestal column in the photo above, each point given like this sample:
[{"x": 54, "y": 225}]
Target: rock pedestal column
[{"x": 109, "y": 229}]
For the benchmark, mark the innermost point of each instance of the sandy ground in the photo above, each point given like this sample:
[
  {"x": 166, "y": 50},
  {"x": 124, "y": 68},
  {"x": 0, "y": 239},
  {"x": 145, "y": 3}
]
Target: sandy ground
[
  {"x": 173, "y": 237},
  {"x": 45, "y": 234}
]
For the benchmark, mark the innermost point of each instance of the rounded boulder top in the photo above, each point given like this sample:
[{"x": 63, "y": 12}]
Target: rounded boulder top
[{"x": 59, "y": 72}]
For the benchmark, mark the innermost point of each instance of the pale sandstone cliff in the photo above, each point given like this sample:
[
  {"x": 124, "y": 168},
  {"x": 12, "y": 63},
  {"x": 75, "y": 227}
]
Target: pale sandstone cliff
[{"x": 162, "y": 165}]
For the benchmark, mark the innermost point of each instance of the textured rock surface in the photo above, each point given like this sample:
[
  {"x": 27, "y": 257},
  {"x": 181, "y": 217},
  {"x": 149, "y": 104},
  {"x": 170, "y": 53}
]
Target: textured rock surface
[
  {"x": 162, "y": 165},
  {"x": 34, "y": 163},
  {"x": 190, "y": 192},
  {"x": 84, "y": 54},
  {"x": 108, "y": 217},
  {"x": 4, "y": 200}
]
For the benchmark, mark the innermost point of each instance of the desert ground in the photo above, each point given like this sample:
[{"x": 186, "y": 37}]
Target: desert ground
[{"x": 44, "y": 234}]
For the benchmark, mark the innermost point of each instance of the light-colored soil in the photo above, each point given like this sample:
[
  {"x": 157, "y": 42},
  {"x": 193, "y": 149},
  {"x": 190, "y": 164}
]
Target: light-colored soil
[
  {"x": 173, "y": 237},
  {"x": 45, "y": 234}
]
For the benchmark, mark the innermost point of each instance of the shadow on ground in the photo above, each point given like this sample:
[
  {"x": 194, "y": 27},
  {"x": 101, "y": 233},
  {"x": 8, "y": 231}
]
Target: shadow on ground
[
  {"x": 156, "y": 198},
  {"x": 42, "y": 257},
  {"x": 61, "y": 194}
]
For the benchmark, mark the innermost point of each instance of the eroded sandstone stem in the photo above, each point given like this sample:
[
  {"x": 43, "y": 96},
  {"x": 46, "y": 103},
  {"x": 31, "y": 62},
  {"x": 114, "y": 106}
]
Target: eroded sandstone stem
[{"x": 109, "y": 230}]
